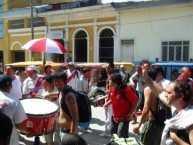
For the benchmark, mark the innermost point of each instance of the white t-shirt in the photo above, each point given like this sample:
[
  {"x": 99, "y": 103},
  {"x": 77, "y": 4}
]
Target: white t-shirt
[
  {"x": 75, "y": 81},
  {"x": 15, "y": 111},
  {"x": 29, "y": 85},
  {"x": 163, "y": 83},
  {"x": 16, "y": 88},
  {"x": 84, "y": 84},
  {"x": 44, "y": 93}
]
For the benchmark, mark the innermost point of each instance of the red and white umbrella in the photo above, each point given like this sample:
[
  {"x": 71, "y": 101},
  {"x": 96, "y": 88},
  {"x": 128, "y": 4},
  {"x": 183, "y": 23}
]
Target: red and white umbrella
[{"x": 46, "y": 45}]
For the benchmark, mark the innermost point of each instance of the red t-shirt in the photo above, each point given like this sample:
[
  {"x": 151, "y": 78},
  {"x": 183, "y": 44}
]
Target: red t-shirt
[{"x": 121, "y": 106}]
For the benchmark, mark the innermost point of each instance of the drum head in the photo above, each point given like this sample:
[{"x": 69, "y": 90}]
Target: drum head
[{"x": 38, "y": 107}]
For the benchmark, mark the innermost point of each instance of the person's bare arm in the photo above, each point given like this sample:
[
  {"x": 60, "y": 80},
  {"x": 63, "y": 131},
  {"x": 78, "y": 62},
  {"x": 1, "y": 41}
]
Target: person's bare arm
[
  {"x": 156, "y": 89},
  {"x": 175, "y": 138},
  {"x": 73, "y": 110},
  {"x": 23, "y": 129},
  {"x": 146, "y": 108},
  {"x": 190, "y": 132},
  {"x": 51, "y": 96}
]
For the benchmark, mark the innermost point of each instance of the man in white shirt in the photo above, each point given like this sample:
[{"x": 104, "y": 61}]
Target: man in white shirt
[
  {"x": 73, "y": 77},
  {"x": 12, "y": 107},
  {"x": 85, "y": 79},
  {"x": 16, "y": 90},
  {"x": 32, "y": 85}
]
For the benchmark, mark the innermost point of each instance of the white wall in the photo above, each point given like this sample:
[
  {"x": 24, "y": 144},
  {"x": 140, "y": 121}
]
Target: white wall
[{"x": 149, "y": 27}]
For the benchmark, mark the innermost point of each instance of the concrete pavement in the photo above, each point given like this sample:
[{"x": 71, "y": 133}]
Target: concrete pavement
[{"x": 92, "y": 137}]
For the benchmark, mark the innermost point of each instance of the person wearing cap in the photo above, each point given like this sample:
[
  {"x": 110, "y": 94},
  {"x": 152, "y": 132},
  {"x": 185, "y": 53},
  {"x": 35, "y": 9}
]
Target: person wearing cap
[
  {"x": 16, "y": 90},
  {"x": 73, "y": 77},
  {"x": 13, "y": 108},
  {"x": 32, "y": 84}
]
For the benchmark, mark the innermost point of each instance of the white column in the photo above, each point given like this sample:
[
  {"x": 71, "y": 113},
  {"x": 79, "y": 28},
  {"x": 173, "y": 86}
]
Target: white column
[
  {"x": 48, "y": 56},
  {"x": 95, "y": 41},
  {"x": 117, "y": 47},
  {"x": 73, "y": 49},
  {"x": 88, "y": 49},
  {"x": 66, "y": 43}
]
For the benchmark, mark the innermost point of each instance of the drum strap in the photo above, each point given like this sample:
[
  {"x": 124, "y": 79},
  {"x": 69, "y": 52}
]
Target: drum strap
[{"x": 36, "y": 88}]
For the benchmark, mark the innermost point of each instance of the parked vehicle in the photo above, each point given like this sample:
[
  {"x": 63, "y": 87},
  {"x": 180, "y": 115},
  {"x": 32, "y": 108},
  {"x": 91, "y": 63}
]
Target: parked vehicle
[
  {"x": 97, "y": 82},
  {"x": 170, "y": 66}
]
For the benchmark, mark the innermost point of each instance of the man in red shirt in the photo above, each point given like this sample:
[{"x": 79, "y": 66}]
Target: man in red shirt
[{"x": 124, "y": 102}]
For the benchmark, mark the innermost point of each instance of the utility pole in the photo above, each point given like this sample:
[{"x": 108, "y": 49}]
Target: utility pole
[{"x": 32, "y": 30}]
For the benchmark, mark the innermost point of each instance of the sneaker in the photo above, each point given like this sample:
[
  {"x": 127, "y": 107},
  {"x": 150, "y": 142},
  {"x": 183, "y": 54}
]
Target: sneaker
[
  {"x": 21, "y": 138},
  {"x": 83, "y": 130},
  {"x": 104, "y": 134}
]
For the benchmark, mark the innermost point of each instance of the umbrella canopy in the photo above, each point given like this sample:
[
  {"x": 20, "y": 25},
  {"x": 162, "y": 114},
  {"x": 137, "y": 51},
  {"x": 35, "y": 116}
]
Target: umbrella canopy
[
  {"x": 36, "y": 63},
  {"x": 46, "y": 45}
]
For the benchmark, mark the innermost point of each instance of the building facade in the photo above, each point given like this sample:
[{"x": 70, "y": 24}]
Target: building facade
[
  {"x": 95, "y": 32},
  {"x": 156, "y": 30}
]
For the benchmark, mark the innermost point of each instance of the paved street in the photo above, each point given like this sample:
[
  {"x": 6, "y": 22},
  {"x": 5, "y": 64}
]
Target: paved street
[{"x": 92, "y": 137}]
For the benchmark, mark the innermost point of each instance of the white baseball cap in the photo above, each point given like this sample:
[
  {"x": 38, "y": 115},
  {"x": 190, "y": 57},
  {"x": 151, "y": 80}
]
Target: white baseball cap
[{"x": 31, "y": 68}]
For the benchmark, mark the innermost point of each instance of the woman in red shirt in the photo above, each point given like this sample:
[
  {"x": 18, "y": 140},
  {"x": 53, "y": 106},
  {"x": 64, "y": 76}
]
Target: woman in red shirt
[{"x": 124, "y": 102}]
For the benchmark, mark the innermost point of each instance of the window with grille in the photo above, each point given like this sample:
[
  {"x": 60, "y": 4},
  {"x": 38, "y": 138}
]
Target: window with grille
[
  {"x": 37, "y": 22},
  {"x": 127, "y": 42},
  {"x": 175, "y": 50},
  {"x": 16, "y": 24},
  {"x": 106, "y": 46}
]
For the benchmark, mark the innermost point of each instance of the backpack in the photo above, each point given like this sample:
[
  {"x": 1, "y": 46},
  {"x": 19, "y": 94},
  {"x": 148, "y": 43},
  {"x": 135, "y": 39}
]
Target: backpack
[
  {"x": 163, "y": 112},
  {"x": 84, "y": 106},
  {"x": 83, "y": 102}
]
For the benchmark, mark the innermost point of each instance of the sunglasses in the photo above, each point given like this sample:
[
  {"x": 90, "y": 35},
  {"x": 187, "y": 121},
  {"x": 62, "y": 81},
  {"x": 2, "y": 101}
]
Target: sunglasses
[
  {"x": 88, "y": 73},
  {"x": 58, "y": 83},
  {"x": 188, "y": 72},
  {"x": 29, "y": 72},
  {"x": 49, "y": 69},
  {"x": 9, "y": 70},
  {"x": 44, "y": 84},
  {"x": 168, "y": 92}
]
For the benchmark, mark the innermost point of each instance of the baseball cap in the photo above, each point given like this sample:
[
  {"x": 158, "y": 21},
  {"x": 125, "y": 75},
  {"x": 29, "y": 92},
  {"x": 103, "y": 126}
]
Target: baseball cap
[
  {"x": 71, "y": 63},
  {"x": 122, "y": 66},
  {"x": 31, "y": 68},
  {"x": 5, "y": 80}
]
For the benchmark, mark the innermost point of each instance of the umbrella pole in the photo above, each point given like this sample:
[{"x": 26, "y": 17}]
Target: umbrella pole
[{"x": 43, "y": 63}]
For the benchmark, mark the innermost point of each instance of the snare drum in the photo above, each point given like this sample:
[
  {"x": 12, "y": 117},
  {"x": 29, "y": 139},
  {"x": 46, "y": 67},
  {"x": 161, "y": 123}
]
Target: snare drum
[{"x": 41, "y": 115}]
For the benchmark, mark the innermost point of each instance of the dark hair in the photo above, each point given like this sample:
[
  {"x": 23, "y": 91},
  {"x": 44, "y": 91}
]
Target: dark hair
[
  {"x": 73, "y": 139},
  {"x": 46, "y": 67},
  {"x": 111, "y": 64},
  {"x": 116, "y": 77},
  {"x": 159, "y": 69},
  {"x": 184, "y": 88},
  {"x": 6, "y": 126},
  {"x": 84, "y": 70},
  {"x": 152, "y": 73},
  {"x": 48, "y": 79},
  {"x": 5, "y": 81},
  {"x": 60, "y": 75},
  {"x": 144, "y": 61}
]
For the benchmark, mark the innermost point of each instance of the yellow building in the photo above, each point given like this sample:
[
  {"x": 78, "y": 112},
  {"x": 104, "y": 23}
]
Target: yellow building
[{"x": 89, "y": 32}]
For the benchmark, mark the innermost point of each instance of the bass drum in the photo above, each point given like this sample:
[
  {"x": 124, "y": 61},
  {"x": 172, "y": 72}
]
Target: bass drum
[{"x": 41, "y": 115}]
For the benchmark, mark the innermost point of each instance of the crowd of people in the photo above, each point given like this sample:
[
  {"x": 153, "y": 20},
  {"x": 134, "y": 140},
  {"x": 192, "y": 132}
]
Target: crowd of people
[{"x": 166, "y": 116}]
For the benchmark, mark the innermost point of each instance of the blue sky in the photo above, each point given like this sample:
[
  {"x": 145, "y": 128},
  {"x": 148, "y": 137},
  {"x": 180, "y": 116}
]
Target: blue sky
[{"x": 109, "y": 1}]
